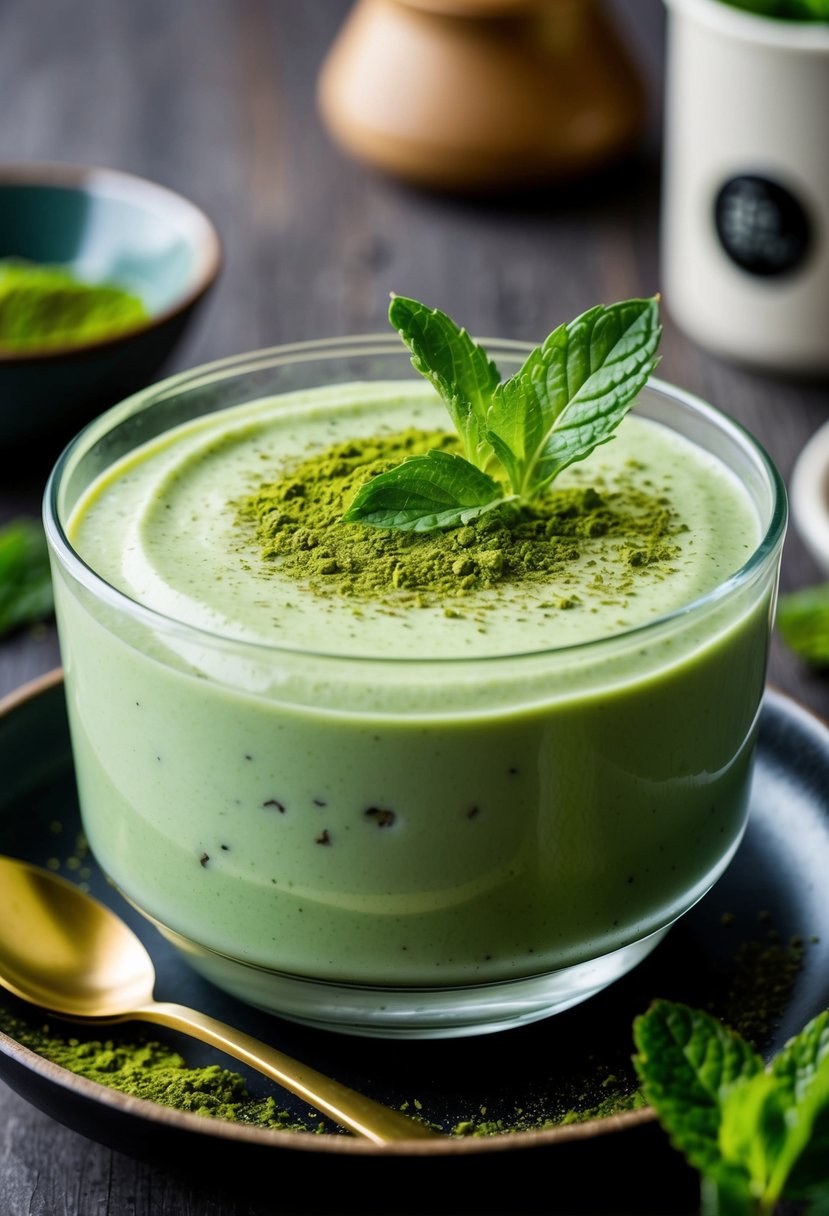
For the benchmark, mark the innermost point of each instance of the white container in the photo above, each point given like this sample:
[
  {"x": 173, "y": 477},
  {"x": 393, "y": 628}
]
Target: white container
[
  {"x": 810, "y": 497},
  {"x": 745, "y": 224}
]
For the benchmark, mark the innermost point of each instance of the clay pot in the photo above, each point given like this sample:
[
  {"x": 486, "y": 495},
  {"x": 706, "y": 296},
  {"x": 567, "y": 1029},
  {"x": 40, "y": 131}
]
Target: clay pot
[{"x": 480, "y": 94}]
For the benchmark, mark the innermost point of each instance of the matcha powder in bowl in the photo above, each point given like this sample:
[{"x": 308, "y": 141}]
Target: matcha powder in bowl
[{"x": 48, "y": 306}]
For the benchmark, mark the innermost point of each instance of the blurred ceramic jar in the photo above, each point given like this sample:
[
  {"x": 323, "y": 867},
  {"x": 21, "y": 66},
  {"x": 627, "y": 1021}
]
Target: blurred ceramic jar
[
  {"x": 745, "y": 225},
  {"x": 481, "y": 95}
]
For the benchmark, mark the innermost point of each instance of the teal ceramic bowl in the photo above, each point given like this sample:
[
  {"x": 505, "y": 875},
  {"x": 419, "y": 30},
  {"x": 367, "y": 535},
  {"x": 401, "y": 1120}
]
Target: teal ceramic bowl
[{"x": 103, "y": 226}]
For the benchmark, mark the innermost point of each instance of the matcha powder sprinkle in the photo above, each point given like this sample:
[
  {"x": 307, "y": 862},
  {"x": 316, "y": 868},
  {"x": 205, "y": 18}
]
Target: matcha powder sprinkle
[
  {"x": 155, "y": 1072},
  {"x": 297, "y": 522}
]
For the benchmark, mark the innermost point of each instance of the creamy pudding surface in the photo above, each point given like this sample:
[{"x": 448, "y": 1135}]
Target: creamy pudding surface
[{"x": 163, "y": 527}]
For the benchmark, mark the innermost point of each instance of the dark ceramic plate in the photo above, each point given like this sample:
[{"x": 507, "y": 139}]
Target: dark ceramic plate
[{"x": 728, "y": 954}]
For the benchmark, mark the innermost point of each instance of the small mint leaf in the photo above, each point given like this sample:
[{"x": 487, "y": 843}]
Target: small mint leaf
[
  {"x": 756, "y": 1134},
  {"x": 797, "y": 1064},
  {"x": 459, "y": 369},
  {"x": 525, "y": 407},
  {"x": 574, "y": 390},
  {"x": 687, "y": 1062},
  {"x": 611, "y": 352},
  {"x": 802, "y": 1071},
  {"x": 775, "y": 1126},
  {"x": 437, "y": 490}
]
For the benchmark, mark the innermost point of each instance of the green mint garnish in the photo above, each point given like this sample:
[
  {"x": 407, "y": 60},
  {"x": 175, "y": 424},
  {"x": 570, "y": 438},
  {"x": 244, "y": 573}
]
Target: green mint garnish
[
  {"x": 25, "y": 584},
  {"x": 517, "y": 436},
  {"x": 756, "y": 1134},
  {"x": 459, "y": 369},
  {"x": 803, "y": 621},
  {"x": 437, "y": 490}
]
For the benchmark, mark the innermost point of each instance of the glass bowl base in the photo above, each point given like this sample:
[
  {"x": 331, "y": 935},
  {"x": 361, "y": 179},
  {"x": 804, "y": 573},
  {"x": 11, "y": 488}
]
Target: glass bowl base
[{"x": 413, "y": 1012}]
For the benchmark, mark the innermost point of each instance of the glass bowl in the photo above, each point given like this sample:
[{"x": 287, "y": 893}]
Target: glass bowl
[{"x": 403, "y": 846}]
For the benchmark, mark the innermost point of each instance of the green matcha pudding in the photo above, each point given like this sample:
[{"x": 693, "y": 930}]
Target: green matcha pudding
[{"x": 419, "y": 780}]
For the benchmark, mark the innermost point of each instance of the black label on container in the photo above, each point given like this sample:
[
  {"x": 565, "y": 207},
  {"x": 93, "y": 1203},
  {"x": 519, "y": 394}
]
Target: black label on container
[{"x": 761, "y": 225}]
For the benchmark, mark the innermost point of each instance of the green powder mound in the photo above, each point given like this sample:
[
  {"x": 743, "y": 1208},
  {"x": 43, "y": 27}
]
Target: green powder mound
[
  {"x": 155, "y": 1072},
  {"x": 297, "y": 522},
  {"x": 47, "y": 306}
]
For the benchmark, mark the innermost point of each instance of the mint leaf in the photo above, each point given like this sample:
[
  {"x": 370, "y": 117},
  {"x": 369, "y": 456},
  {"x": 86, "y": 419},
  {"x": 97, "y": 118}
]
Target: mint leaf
[
  {"x": 438, "y": 490},
  {"x": 25, "y": 582},
  {"x": 572, "y": 392},
  {"x": 757, "y": 1135},
  {"x": 687, "y": 1062},
  {"x": 803, "y": 621},
  {"x": 459, "y": 369},
  {"x": 772, "y": 1131},
  {"x": 797, "y": 1064},
  {"x": 801, "y": 1069}
]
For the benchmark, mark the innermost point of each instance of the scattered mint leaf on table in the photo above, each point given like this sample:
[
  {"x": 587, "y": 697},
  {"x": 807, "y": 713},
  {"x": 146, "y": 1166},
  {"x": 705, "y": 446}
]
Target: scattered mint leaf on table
[
  {"x": 756, "y": 1134},
  {"x": 803, "y": 621},
  {"x": 567, "y": 399},
  {"x": 25, "y": 582}
]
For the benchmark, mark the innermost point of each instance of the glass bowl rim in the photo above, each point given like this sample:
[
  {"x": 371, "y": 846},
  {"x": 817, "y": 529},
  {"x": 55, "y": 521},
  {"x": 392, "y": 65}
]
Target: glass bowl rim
[{"x": 366, "y": 345}]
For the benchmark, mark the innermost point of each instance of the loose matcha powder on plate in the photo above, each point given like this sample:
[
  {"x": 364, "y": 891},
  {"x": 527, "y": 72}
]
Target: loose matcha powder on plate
[
  {"x": 154, "y": 1072},
  {"x": 47, "y": 306}
]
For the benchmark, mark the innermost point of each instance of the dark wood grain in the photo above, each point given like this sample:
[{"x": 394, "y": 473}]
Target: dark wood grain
[{"x": 215, "y": 98}]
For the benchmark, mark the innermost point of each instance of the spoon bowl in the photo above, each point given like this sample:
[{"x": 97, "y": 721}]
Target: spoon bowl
[{"x": 63, "y": 950}]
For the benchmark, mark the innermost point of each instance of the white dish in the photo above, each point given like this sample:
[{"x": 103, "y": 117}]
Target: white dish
[{"x": 809, "y": 495}]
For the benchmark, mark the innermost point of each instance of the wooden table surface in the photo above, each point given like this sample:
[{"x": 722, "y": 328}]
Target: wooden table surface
[{"x": 215, "y": 98}]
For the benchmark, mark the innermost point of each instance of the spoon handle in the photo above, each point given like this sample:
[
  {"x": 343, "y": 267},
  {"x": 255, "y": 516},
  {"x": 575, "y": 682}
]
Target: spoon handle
[{"x": 345, "y": 1106}]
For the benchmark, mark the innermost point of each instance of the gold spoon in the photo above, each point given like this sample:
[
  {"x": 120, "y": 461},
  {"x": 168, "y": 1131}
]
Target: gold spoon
[{"x": 65, "y": 951}]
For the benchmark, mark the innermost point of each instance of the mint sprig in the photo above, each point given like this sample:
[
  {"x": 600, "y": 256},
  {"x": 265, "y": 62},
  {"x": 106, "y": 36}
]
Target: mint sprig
[
  {"x": 567, "y": 399},
  {"x": 756, "y": 1134}
]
